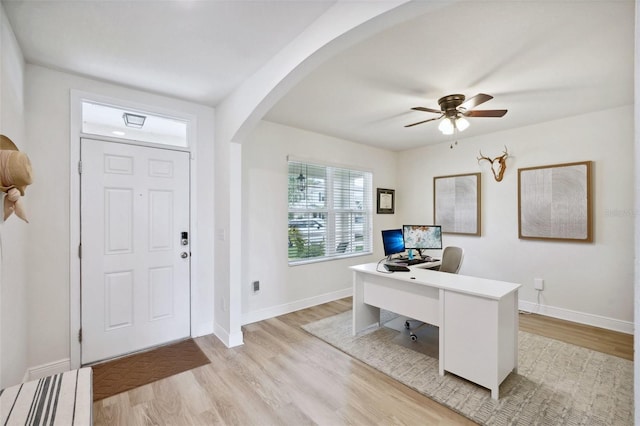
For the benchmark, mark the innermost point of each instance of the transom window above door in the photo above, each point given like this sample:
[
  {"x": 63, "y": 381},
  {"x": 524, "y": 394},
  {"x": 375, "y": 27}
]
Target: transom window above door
[{"x": 116, "y": 122}]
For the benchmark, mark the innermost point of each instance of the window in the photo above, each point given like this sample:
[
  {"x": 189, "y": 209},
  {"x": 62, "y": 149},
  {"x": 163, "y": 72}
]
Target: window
[
  {"x": 116, "y": 122},
  {"x": 329, "y": 212}
]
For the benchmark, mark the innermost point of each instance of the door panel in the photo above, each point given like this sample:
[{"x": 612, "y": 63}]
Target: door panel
[
  {"x": 135, "y": 290},
  {"x": 118, "y": 220},
  {"x": 161, "y": 203},
  {"x": 118, "y": 297}
]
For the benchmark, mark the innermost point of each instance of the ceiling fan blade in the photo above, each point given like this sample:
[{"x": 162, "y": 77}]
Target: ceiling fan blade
[
  {"x": 473, "y": 102},
  {"x": 435, "y": 111},
  {"x": 486, "y": 113},
  {"x": 424, "y": 121}
]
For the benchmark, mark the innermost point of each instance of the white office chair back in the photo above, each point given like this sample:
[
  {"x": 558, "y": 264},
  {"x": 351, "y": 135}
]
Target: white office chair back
[{"x": 451, "y": 259}]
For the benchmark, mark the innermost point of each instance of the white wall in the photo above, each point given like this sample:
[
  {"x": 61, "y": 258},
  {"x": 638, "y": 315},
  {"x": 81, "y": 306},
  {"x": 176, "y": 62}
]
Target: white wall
[
  {"x": 343, "y": 24},
  {"x": 14, "y": 260},
  {"x": 286, "y": 288},
  {"x": 48, "y": 129},
  {"x": 585, "y": 282}
]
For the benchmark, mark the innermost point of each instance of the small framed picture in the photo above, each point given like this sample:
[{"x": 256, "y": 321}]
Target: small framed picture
[{"x": 386, "y": 200}]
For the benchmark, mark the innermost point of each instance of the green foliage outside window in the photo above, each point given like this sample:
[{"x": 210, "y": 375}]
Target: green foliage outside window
[{"x": 299, "y": 249}]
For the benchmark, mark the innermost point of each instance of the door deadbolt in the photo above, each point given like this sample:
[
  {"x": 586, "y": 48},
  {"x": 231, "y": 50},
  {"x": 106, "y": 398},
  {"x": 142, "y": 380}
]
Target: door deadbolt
[{"x": 184, "y": 238}]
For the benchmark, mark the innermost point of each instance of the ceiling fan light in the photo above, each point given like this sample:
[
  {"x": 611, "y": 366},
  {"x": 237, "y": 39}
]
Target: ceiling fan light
[
  {"x": 446, "y": 126},
  {"x": 462, "y": 124}
]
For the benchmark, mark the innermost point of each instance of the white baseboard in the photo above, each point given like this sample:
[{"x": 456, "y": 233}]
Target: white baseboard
[
  {"x": 201, "y": 330},
  {"x": 230, "y": 340},
  {"x": 236, "y": 339},
  {"x": 579, "y": 317},
  {"x": 44, "y": 370},
  {"x": 286, "y": 308},
  {"x": 551, "y": 311}
]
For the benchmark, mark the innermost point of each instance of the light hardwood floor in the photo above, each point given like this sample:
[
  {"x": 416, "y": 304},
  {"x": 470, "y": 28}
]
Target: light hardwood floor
[
  {"x": 284, "y": 376},
  {"x": 598, "y": 339}
]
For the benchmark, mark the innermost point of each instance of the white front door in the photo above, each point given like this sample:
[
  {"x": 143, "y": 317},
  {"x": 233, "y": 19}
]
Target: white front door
[{"x": 135, "y": 288}]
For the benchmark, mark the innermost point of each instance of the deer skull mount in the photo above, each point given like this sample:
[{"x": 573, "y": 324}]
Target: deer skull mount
[{"x": 498, "y": 164}]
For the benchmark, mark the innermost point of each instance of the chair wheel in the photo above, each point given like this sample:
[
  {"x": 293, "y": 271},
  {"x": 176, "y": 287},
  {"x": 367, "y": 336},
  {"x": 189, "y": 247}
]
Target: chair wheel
[
  {"x": 413, "y": 337},
  {"x": 407, "y": 325}
]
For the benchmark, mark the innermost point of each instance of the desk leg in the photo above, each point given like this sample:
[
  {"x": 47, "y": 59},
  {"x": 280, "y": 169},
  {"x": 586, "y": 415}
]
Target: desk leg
[
  {"x": 494, "y": 393},
  {"x": 516, "y": 321},
  {"x": 363, "y": 315},
  {"x": 441, "y": 334}
]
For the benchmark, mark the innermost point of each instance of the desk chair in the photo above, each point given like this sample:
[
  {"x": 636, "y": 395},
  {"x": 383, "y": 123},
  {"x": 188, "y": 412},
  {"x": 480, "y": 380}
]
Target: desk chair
[
  {"x": 451, "y": 259},
  {"x": 451, "y": 262}
]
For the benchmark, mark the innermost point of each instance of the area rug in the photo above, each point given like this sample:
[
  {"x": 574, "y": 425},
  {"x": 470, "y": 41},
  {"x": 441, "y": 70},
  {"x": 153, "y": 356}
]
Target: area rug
[
  {"x": 123, "y": 374},
  {"x": 556, "y": 384}
]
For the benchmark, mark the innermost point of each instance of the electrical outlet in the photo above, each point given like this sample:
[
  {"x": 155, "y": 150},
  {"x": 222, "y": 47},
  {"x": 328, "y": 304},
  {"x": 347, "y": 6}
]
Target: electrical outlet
[
  {"x": 538, "y": 284},
  {"x": 256, "y": 286}
]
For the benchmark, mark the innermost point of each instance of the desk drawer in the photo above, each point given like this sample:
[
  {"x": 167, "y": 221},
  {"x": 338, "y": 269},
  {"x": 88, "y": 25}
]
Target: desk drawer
[{"x": 411, "y": 300}]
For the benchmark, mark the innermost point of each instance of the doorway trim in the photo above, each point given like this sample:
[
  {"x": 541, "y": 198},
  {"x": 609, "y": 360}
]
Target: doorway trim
[{"x": 75, "y": 133}]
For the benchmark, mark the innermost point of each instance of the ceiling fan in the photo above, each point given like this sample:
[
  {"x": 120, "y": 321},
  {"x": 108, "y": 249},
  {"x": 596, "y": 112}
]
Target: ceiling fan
[{"x": 454, "y": 109}]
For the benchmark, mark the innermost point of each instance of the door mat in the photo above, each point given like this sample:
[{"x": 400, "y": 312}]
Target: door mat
[{"x": 123, "y": 374}]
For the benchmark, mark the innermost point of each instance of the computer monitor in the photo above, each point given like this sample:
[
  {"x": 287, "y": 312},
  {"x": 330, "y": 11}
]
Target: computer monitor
[
  {"x": 422, "y": 237},
  {"x": 392, "y": 241}
]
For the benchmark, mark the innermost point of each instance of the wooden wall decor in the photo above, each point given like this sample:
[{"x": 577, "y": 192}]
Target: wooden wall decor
[{"x": 498, "y": 164}]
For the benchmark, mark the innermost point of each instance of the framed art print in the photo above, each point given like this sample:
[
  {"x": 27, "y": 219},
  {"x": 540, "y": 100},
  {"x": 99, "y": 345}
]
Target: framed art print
[
  {"x": 456, "y": 203},
  {"x": 554, "y": 202},
  {"x": 385, "y": 200}
]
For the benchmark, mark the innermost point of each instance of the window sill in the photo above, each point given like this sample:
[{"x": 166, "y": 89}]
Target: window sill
[{"x": 326, "y": 259}]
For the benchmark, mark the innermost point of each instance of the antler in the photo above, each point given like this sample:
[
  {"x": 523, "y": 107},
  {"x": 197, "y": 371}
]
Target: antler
[
  {"x": 482, "y": 157},
  {"x": 501, "y": 163},
  {"x": 505, "y": 153},
  {"x": 504, "y": 156}
]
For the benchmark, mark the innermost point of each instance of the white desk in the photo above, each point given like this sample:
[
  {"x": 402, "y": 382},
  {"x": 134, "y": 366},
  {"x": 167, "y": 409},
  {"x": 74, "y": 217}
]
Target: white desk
[{"x": 477, "y": 317}]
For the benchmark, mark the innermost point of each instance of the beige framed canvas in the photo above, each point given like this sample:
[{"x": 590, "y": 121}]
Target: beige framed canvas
[
  {"x": 456, "y": 203},
  {"x": 554, "y": 202}
]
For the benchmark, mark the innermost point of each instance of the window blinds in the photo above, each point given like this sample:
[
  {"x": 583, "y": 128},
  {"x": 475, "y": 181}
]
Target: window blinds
[{"x": 330, "y": 211}]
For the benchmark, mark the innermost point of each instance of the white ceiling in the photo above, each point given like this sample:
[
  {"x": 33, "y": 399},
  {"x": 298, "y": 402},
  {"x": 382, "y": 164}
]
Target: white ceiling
[
  {"x": 541, "y": 60},
  {"x": 198, "y": 50}
]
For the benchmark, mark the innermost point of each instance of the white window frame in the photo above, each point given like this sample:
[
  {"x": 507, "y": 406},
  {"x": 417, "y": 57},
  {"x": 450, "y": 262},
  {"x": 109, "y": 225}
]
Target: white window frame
[{"x": 331, "y": 213}]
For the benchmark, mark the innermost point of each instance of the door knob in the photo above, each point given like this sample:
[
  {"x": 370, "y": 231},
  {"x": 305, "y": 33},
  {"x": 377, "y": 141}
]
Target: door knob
[{"x": 184, "y": 255}]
